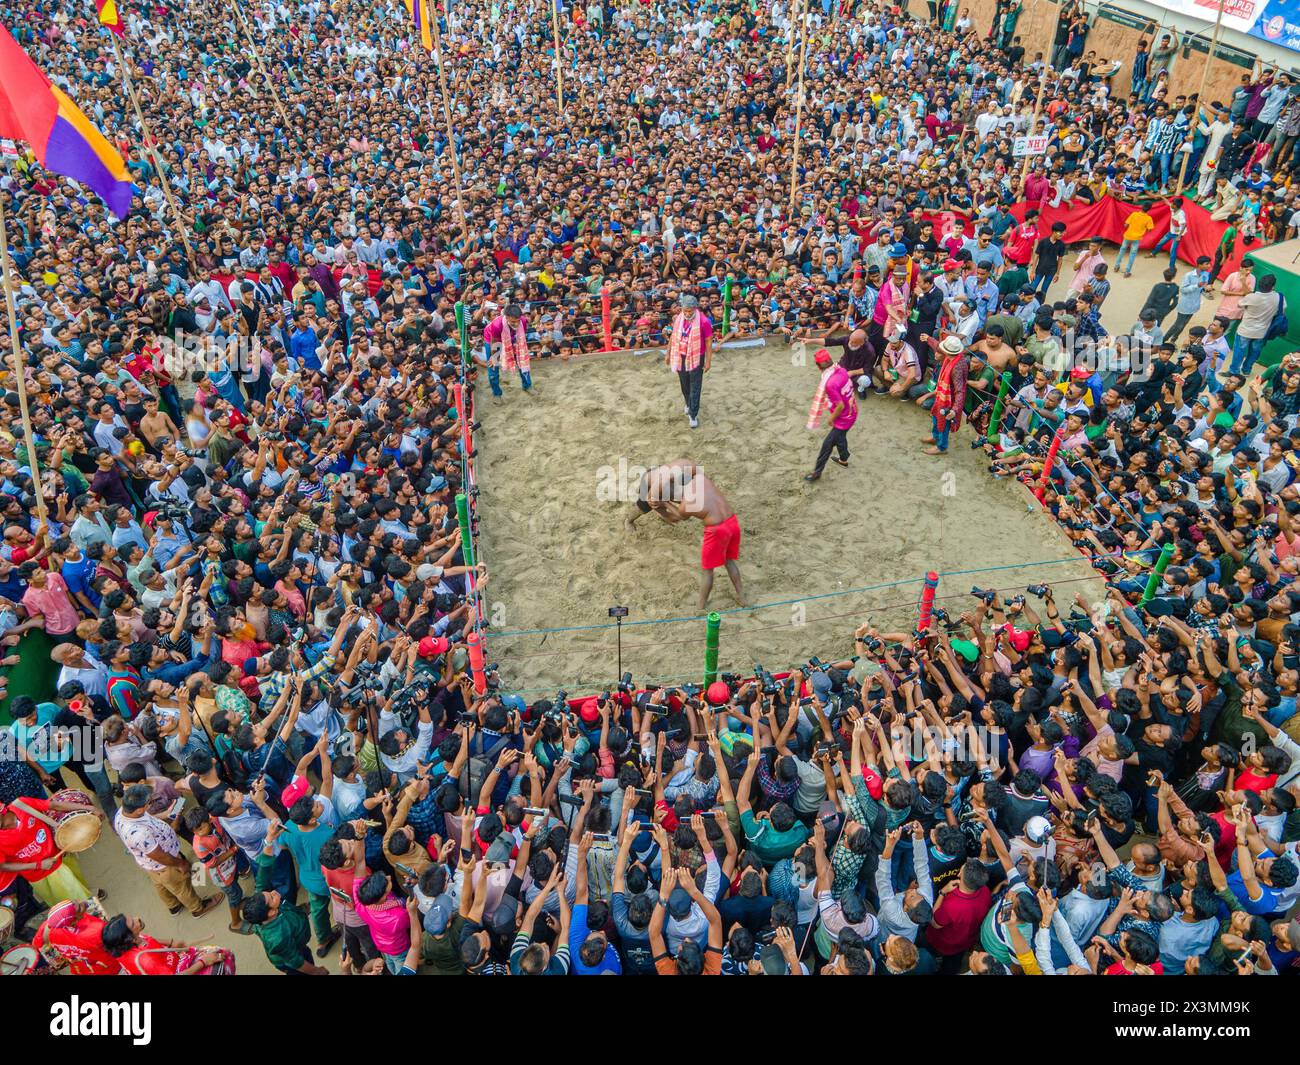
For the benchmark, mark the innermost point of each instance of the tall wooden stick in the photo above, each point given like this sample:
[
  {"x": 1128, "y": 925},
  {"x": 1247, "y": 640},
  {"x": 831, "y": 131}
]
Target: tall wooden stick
[
  {"x": 151, "y": 147},
  {"x": 1200, "y": 92},
  {"x": 266, "y": 75},
  {"x": 1033, "y": 124},
  {"x": 798, "y": 112},
  {"x": 19, "y": 367},
  {"x": 789, "y": 42},
  {"x": 559, "y": 66},
  {"x": 446, "y": 118}
]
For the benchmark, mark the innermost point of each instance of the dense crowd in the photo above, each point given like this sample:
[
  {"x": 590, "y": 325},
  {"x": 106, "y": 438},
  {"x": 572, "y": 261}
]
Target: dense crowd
[{"x": 245, "y": 576}]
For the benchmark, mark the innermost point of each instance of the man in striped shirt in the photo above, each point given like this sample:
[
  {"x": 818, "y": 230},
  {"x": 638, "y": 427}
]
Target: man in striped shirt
[{"x": 1163, "y": 139}]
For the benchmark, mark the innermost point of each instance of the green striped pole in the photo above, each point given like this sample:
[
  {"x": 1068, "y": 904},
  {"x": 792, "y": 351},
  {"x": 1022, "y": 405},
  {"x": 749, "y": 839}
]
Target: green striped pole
[
  {"x": 998, "y": 405},
  {"x": 462, "y": 516},
  {"x": 464, "y": 335},
  {"x": 711, "y": 626},
  {"x": 1153, "y": 582},
  {"x": 726, "y": 305}
]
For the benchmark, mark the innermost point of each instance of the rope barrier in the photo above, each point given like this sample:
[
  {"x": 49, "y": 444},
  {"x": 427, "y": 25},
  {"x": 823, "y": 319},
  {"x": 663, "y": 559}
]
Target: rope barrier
[{"x": 801, "y": 599}]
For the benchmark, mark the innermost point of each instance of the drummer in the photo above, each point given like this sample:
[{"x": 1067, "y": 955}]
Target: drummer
[
  {"x": 73, "y": 935},
  {"x": 28, "y": 849}
]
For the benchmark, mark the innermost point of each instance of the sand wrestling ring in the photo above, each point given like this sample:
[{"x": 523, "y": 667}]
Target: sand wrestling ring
[{"x": 557, "y": 471}]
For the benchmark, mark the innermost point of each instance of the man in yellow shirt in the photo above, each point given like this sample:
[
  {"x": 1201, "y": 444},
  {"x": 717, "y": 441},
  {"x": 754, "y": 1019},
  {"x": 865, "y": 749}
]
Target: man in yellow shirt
[{"x": 1136, "y": 226}]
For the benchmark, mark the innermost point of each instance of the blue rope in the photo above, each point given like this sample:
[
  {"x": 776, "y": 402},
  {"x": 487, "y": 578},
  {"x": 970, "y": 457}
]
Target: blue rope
[{"x": 801, "y": 599}]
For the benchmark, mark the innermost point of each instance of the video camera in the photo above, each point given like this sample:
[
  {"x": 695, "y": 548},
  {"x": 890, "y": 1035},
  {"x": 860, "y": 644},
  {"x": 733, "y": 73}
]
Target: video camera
[{"x": 767, "y": 682}]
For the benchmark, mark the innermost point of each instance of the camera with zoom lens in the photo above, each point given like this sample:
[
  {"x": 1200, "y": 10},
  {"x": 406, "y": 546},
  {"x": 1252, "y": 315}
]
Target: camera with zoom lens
[
  {"x": 625, "y": 682},
  {"x": 1043, "y": 591},
  {"x": 767, "y": 682},
  {"x": 986, "y": 594}
]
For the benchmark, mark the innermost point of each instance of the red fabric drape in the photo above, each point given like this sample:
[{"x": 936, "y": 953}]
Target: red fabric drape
[{"x": 1105, "y": 219}]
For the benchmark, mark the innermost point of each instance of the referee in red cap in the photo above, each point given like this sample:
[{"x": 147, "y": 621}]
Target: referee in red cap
[{"x": 836, "y": 396}]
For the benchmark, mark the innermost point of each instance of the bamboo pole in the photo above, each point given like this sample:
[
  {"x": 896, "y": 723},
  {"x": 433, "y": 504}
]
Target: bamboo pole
[
  {"x": 789, "y": 42},
  {"x": 266, "y": 74},
  {"x": 19, "y": 368},
  {"x": 798, "y": 112},
  {"x": 446, "y": 117},
  {"x": 1038, "y": 100},
  {"x": 151, "y": 147},
  {"x": 1033, "y": 124},
  {"x": 1200, "y": 93},
  {"x": 559, "y": 66}
]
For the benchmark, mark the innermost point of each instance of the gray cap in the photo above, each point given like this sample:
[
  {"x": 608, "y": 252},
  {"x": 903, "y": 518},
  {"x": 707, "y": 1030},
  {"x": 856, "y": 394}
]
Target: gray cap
[{"x": 439, "y": 915}]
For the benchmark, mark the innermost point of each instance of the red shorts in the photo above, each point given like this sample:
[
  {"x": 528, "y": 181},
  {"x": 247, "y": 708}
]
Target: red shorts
[{"x": 721, "y": 544}]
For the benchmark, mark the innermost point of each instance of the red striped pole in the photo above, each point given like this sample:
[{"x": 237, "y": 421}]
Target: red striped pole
[
  {"x": 927, "y": 601},
  {"x": 606, "y": 318},
  {"x": 475, "y": 643},
  {"x": 1048, "y": 463}
]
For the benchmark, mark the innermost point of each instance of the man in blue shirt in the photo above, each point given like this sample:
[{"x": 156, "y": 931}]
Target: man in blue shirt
[
  {"x": 303, "y": 343},
  {"x": 983, "y": 252},
  {"x": 982, "y": 292}
]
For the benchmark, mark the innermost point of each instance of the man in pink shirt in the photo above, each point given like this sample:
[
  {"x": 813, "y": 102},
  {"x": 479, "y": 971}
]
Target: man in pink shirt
[
  {"x": 505, "y": 347},
  {"x": 835, "y": 395},
  {"x": 383, "y": 912},
  {"x": 47, "y": 598}
]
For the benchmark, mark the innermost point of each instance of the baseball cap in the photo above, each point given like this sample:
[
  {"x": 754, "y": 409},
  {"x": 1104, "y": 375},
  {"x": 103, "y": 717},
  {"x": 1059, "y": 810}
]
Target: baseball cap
[
  {"x": 822, "y": 357},
  {"x": 430, "y": 646},
  {"x": 438, "y": 916},
  {"x": 679, "y": 903},
  {"x": 501, "y": 849},
  {"x": 1037, "y": 829},
  {"x": 717, "y": 693},
  {"x": 589, "y": 711},
  {"x": 294, "y": 791}
]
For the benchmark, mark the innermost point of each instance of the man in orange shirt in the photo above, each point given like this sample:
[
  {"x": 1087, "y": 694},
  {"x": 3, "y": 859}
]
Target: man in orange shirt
[{"x": 1136, "y": 226}]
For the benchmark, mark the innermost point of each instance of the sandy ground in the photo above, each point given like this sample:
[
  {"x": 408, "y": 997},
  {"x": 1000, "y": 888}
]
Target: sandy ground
[{"x": 560, "y": 556}]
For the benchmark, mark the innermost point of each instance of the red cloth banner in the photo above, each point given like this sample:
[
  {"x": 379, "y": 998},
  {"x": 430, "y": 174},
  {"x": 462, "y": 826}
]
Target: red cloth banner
[{"x": 1105, "y": 219}]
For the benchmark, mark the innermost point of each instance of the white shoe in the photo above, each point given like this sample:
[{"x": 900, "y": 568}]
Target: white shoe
[
  {"x": 686, "y": 409},
  {"x": 695, "y": 423}
]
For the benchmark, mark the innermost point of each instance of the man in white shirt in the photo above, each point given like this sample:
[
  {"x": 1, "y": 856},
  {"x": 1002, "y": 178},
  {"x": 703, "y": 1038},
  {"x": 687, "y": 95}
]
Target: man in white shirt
[{"x": 207, "y": 287}]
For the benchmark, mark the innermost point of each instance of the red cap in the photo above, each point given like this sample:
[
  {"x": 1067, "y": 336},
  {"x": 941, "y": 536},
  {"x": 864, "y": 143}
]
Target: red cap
[
  {"x": 294, "y": 791},
  {"x": 822, "y": 357},
  {"x": 951, "y": 264},
  {"x": 1080, "y": 373},
  {"x": 589, "y": 711},
  {"x": 433, "y": 645},
  {"x": 718, "y": 693}
]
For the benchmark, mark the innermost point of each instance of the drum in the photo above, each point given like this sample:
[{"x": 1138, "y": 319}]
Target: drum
[
  {"x": 18, "y": 961},
  {"x": 75, "y": 831},
  {"x": 6, "y": 921}
]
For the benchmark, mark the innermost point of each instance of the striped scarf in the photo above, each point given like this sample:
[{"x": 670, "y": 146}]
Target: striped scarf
[
  {"x": 687, "y": 339},
  {"x": 514, "y": 348},
  {"x": 820, "y": 404}
]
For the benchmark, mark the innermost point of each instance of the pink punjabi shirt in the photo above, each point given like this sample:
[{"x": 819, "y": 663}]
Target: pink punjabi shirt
[
  {"x": 54, "y": 604},
  {"x": 492, "y": 331},
  {"x": 839, "y": 391}
]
